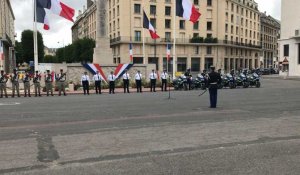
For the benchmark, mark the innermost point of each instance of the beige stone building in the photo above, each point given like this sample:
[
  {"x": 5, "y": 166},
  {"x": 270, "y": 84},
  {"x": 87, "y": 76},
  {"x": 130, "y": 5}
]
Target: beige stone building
[
  {"x": 85, "y": 24},
  {"x": 270, "y": 29},
  {"x": 227, "y": 35},
  {"x": 7, "y": 35}
]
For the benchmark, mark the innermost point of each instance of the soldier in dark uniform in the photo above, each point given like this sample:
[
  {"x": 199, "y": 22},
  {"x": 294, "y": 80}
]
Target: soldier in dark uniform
[
  {"x": 188, "y": 76},
  {"x": 214, "y": 79}
]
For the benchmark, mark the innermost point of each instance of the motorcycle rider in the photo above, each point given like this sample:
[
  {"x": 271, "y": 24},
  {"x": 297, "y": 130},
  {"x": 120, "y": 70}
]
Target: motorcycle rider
[{"x": 189, "y": 77}]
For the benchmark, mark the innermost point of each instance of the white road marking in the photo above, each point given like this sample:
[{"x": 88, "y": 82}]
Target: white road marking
[{"x": 9, "y": 104}]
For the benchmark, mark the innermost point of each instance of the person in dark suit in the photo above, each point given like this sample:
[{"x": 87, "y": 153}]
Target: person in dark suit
[{"x": 214, "y": 79}]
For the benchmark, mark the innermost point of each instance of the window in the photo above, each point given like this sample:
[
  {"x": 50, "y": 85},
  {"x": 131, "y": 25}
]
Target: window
[
  {"x": 209, "y": 2},
  {"x": 153, "y": 22},
  {"x": 153, "y": 60},
  {"x": 168, "y": 11},
  {"x": 181, "y": 64},
  {"x": 137, "y": 8},
  {"x": 182, "y": 24},
  {"x": 168, "y": 36},
  {"x": 196, "y": 2},
  {"x": 152, "y": 9},
  {"x": 286, "y": 50},
  {"x": 209, "y": 26},
  {"x": 138, "y": 60},
  {"x": 167, "y": 23},
  {"x": 195, "y": 67},
  {"x": 208, "y": 50},
  {"x": 196, "y": 25},
  {"x": 137, "y": 35},
  {"x": 298, "y": 53}
]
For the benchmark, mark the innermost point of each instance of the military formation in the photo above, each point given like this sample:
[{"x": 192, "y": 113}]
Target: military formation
[{"x": 31, "y": 80}]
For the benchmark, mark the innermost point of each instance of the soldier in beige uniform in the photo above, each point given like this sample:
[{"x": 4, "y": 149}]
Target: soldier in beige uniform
[
  {"x": 61, "y": 78},
  {"x": 3, "y": 81},
  {"x": 15, "y": 83},
  {"x": 48, "y": 83},
  {"x": 26, "y": 81},
  {"x": 37, "y": 83}
]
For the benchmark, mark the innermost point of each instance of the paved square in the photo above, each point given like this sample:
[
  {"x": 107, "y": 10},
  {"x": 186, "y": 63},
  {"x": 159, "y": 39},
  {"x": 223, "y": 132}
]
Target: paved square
[{"x": 253, "y": 131}]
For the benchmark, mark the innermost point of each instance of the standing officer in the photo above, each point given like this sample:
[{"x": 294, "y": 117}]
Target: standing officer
[
  {"x": 214, "y": 79},
  {"x": 3, "y": 81},
  {"x": 188, "y": 76},
  {"x": 48, "y": 83},
  {"x": 111, "y": 79},
  {"x": 138, "y": 81},
  {"x": 126, "y": 78},
  {"x": 37, "y": 83},
  {"x": 153, "y": 77},
  {"x": 61, "y": 82},
  {"x": 97, "y": 78},
  {"x": 15, "y": 83},
  {"x": 26, "y": 81},
  {"x": 164, "y": 78},
  {"x": 85, "y": 79}
]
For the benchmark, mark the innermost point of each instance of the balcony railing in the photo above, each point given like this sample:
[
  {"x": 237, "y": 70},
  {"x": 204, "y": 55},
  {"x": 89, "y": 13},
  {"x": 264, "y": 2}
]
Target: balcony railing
[{"x": 182, "y": 41}]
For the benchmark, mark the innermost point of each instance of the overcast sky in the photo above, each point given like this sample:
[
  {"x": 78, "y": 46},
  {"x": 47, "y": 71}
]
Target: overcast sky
[{"x": 60, "y": 29}]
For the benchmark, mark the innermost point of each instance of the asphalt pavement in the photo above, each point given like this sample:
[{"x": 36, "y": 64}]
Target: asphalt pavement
[{"x": 253, "y": 131}]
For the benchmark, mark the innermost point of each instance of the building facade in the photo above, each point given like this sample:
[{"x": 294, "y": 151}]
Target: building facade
[
  {"x": 85, "y": 24},
  {"x": 7, "y": 35},
  {"x": 289, "y": 42},
  {"x": 270, "y": 29},
  {"x": 227, "y": 34}
]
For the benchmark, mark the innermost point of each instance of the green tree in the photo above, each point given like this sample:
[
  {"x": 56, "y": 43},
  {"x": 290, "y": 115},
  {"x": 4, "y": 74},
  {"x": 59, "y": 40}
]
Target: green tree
[
  {"x": 28, "y": 48},
  {"x": 50, "y": 59},
  {"x": 81, "y": 50},
  {"x": 19, "y": 53}
]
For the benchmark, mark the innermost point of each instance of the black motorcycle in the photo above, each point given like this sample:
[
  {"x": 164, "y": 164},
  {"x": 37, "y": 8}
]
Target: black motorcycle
[
  {"x": 254, "y": 80},
  {"x": 180, "y": 83}
]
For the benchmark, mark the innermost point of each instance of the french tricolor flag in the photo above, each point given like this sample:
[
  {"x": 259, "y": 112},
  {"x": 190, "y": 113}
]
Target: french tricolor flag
[
  {"x": 131, "y": 52},
  {"x": 1, "y": 51},
  {"x": 147, "y": 25},
  {"x": 169, "y": 51},
  {"x": 93, "y": 68},
  {"x": 120, "y": 70},
  {"x": 187, "y": 10},
  {"x": 56, "y": 7}
]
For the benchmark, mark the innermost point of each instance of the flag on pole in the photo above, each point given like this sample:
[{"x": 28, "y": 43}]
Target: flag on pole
[
  {"x": 131, "y": 52},
  {"x": 187, "y": 10},
  {"x": 147, "y": 25},
  {"x": 169, "y": 51},
  {"x": 1, "y": 51},
  {"x": 56, "y": 7}
]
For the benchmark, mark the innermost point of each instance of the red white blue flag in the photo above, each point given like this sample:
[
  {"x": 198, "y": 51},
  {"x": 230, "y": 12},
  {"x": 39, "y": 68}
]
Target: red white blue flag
[
  {"x": 147, "y": 25},
  {"x": 1, "y": 51},
  {"x": 120, "y": 70},
  {"x": 130, "y": 53},
  {"x": 169, "y": 51},
  {"x": 187, "y": 10},
  {"x": 56, "y": 7},
  {"x": 93, "y": 68}
]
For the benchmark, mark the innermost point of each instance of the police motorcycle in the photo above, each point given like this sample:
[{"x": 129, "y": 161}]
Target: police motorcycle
[
  {"x": 202, "y": 79},
  {"x": 223, "y": 79},
  {"x": 196, "y": 83},
  {"x": 242, "y": 80},
  {"x": 254, "y": 80},
  {"x": 180, "y": 83}
]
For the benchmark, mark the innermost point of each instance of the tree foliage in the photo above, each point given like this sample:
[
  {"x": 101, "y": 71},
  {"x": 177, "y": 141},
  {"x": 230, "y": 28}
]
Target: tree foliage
[
  {"x": 81, "y": 50},
  {"x": 28, "y": 48}
]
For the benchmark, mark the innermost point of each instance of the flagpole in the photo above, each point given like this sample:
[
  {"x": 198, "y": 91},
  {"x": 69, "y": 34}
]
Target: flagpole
[
  {"x": 144, "y": 55},
  {"x": 35, "y": 43},
  {"x": 174, "y": 43}
]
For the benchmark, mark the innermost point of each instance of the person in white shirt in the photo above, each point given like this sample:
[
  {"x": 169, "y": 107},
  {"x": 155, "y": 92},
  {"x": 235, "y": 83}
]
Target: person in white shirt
[
  {"x": 153, "y": 77},
  {"x": 126, "y": 78},
  {"x": 85, "y": 79},
  {"x": 111, "y": 79},
  {"x": 164, "y": 77},
  {"x": 97, "y": 78},
  {"x": 138, "y": 81}
]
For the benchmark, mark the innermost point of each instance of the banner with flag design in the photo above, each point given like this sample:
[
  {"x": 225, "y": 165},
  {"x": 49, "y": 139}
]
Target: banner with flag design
[{"x": 93, "y": 68}]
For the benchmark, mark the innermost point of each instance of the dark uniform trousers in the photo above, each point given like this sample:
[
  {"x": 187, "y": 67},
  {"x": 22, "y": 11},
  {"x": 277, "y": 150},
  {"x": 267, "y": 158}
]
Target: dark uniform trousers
[
  {"x": 164, "y": 85},
  {"x": 112, "y": 87},
  {"x": 213, "y": 92},
  {"x": 213, "y": 80},
  {"x": 138, "y": 85},
  {"x": 189, "y": 81},
  {"x": 152, "y": 85},
  {"x": 98, "y": 87},
  {"x": 86, "y": 87},
  {"x": 126, "y": 86}
]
